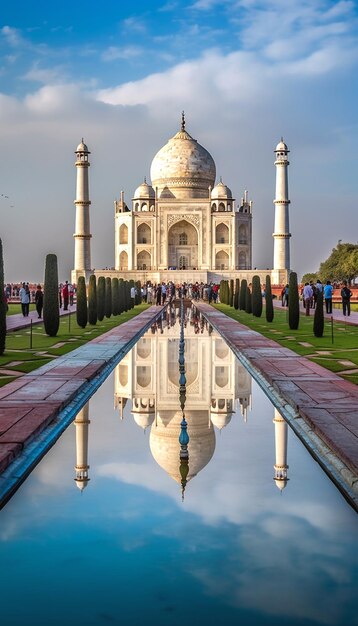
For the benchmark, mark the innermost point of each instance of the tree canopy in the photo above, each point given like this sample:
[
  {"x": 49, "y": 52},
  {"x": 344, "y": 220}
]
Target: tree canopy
[{"x": 341, "y": 264}]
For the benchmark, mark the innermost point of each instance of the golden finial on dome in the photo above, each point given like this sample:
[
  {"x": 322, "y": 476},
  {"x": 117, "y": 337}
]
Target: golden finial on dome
[{"x": 182, "y": 120}]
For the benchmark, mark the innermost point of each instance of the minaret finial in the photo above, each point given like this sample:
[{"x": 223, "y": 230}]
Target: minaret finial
[
  {"x": 282, "y": 138},
  {"x": 145, "y": 179},
  {"x": 182, "y": 120}
]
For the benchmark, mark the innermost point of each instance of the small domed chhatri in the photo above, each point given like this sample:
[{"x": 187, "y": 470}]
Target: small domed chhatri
[
  {"x": 144, "y": 191},
  {"x": 82, "y": 147},
  {"x": 221, "y": 191},
  {"x": 183, "y": 167}
]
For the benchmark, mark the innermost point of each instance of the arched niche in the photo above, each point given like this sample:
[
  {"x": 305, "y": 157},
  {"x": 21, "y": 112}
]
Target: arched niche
[
  {"x": 123, "y": 234},
  {"x": 243, "y": 234},
  {"x": 144, "y": 260},
  {"x": 179, "y": 233},
  {"x": 242, "y": 261},
  {"x": 221, "y": 260},
  {"x": 221, "y": 233},
  {"x": 144, "y": 376},
  {"x": 123, "y": 260},
  {"x": 144, "y": 234},
  {"x": 221, "y": 207},
  {"x": 222, "y": 376}
]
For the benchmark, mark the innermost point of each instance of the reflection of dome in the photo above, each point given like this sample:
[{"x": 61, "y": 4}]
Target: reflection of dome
[
  {"x": 220, "y": 420},
  {"x": 82, "y": 147},
  {"x": 165, "y": 447},
  {"x": 143, "y": 419},
  {"x": 144, "y": 191},
  {"x": 221, "y": 191},
  {"x": 183, "y": 164}
]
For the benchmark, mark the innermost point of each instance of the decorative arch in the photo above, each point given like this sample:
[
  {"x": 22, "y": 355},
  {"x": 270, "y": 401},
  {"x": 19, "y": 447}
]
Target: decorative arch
[
  {"x": 221, "y": 233},
  {"x": 144, "y": 260},
  {"x": 243, "y": 237},
  {"x": 222, "y": 207},
  {"x": 123, "y": 234},
  {"x": 221, "y": 376},
  {"x": 123, "y": 260},
  {"x": 144, "y": 234},
  {"x": 144, "y": 348},
  {"x": 242, "y": 261},
  {"x": 183, "y": 244},
  {"x": 123, "y": 374},
  {"x": 144, "y": 206},
  {"x": 213, "y": 206},
  {"x": 222, "y": 260},
  {"x": 144, "y": 376}
]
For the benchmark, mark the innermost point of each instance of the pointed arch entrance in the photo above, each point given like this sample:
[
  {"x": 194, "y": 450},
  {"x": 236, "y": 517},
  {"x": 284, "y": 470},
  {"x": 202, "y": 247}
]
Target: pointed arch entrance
[{"x": 183, "y": 246}]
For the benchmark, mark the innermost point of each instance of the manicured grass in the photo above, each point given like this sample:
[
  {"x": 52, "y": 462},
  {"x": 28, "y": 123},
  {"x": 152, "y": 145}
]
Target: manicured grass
[
  {"x": 343, "y": 348},
  {"x": 15, "y": 308},
  {"x": 70, "y": 336}
]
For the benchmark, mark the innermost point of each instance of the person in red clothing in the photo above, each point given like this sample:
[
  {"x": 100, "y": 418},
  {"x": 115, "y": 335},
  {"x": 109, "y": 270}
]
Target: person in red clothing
[{"x": 65, "y": 296}]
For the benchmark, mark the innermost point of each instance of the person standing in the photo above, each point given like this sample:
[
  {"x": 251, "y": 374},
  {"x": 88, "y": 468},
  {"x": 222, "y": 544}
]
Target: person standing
[
  {"x": 346, "y": 295},
  {"x": 65, "y": 295},
  {"x": 25, "y": 300},
  {"x": 328, "y": 294},
  {"x": 307, "y": 296},
  {"x": 39, "y": 300}
]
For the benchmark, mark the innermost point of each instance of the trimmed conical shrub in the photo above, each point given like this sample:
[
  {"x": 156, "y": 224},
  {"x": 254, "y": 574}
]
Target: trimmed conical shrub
[
  {"x": 256, "y": 297},
  {"x": 121, "y": 296},
  {"x": 269, "y": 302},
  {"x": 3, "y": 306},
  {"x": 92, "y": 300},
  {"x": 81, "y": 306},
  {"x": 138, "y": 295},
  {"x": 237, "y": 294},
  {"x": 293, "y": 303},
  {"x": 108, "y": 298},
  {"x": 101, "y": 297},
  {"x": 242, "y": 298},
  {"x": 221, "y": 290},
  {"x": 131, "y": 300},
  {"x": 248, "y": 300},
  {"x": 51, "y": 311},
  {"x": 318, "y": 321},
  {"x": 231, "y": 292},
  {"x": 115, "y": 296},
  {"x": 127, "y": 296}
]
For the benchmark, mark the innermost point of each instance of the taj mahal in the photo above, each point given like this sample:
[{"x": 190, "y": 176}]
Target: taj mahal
[{"x": 183, "y": 226}]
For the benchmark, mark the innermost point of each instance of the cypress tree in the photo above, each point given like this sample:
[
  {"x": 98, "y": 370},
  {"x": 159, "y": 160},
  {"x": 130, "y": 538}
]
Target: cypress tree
[
  {"x": 126, "y": 295},
  {"x": 115, "y": 296},
  {"x": 293, "y": 303},
  {"x": 81, "y": 307},
  {"x": 318, "y": 320},
  {"x": 108, "y": 298},
  {"x": 131, "y": 300},
  {"x": 51, "y": 311},
  {"x": 242, "y": 298},
  {"x": 92, "y": 300},
  {"x": 227, "y": 292},
  {"x": 3, "y": 306},
  {"x": 269, "y": 302},
  {"x": 222, "y": 290},
  {"x": 231, "y": 292},
  {"x": 138, "y": 296},
  {"x": 121, "y": 296},
  {"x": 248, "y": 300},
  {"x": 256, "y": 297},
  {"x": 101, "y": 295},
  {"x": 237, "y": 293}
]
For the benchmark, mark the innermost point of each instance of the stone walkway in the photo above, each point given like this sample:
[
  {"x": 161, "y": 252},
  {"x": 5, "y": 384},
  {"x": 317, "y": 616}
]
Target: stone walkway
[
  {"x": 29, "y": 404},
  {"x": 328, "y": 404},
  {"x": 337, "y": 314},
  {"x": 18, "y": 321}
]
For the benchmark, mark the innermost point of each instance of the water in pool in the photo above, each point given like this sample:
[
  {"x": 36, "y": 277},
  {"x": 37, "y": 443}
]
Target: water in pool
[{"x": 112, "y": 527}]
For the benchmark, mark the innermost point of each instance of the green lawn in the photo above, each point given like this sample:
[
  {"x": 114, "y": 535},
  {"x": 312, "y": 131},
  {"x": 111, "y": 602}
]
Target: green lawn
[
  {"x": 15, "y": 307},
  {"x": 19, "y": 357},
  {"x": 343, "y": 348}
]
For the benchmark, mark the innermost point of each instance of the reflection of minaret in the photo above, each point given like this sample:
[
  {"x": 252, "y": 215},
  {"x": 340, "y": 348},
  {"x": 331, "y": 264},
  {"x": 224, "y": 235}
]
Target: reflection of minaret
[
  {"x": 82, "y": 467},
  {"x": 280, "y": 466}
]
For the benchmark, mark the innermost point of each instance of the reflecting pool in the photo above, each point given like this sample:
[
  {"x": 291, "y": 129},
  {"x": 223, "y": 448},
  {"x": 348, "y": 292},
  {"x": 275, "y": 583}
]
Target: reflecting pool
[{"x": 114, "y": 527}]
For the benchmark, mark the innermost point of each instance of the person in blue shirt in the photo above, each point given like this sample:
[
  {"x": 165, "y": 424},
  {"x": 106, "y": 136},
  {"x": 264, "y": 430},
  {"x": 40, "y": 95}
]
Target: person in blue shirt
[{"x": 328, "y": 293}]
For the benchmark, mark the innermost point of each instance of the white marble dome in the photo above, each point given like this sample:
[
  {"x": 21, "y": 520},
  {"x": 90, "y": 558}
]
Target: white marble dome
[
  {"x": 183, "y": 168},
  {"x": 144, "y": 191},
  {"x": 281, "y": 146},
  {"x": 221, "y": 191},
  {"x": 82, "y": 147}
]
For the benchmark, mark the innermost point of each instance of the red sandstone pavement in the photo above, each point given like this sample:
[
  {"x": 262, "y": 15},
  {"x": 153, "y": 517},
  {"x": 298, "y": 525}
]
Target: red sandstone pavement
[
  {"x": 29, "y": 404},
  {"x": 326, "y": 402},
  {"x": 18, "y": 321}
]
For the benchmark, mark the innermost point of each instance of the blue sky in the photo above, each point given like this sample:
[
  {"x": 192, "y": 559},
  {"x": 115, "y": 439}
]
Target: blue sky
[{"x": 246, "y": 72}]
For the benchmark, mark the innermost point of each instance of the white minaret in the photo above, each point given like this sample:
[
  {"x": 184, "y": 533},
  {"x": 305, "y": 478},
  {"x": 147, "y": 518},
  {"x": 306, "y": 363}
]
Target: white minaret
[
  {"x": 280, "y": 466},
  {"x": 82, "y": 266},
  {"x": 81, "y": 468},
  {"x": 281, "y": 235}
]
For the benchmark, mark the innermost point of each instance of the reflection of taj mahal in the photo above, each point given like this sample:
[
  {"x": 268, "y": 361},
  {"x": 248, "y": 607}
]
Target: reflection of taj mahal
[
  {"x": 217, "y": 385},
  {"x": 184, "y": 226}
]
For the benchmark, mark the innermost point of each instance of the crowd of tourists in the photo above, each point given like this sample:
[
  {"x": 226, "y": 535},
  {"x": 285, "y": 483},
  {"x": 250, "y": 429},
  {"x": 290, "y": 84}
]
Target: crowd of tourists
[
  {"x": 163, "y": 292},
  {"x": 310, "y": 292}
]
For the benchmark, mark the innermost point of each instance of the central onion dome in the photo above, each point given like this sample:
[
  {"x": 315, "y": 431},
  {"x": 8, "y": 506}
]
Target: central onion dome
[{"x": 183, "y": 168}]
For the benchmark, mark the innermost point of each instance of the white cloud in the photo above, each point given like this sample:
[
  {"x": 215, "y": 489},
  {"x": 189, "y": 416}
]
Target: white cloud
[{"x": 127, "y": 52}]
